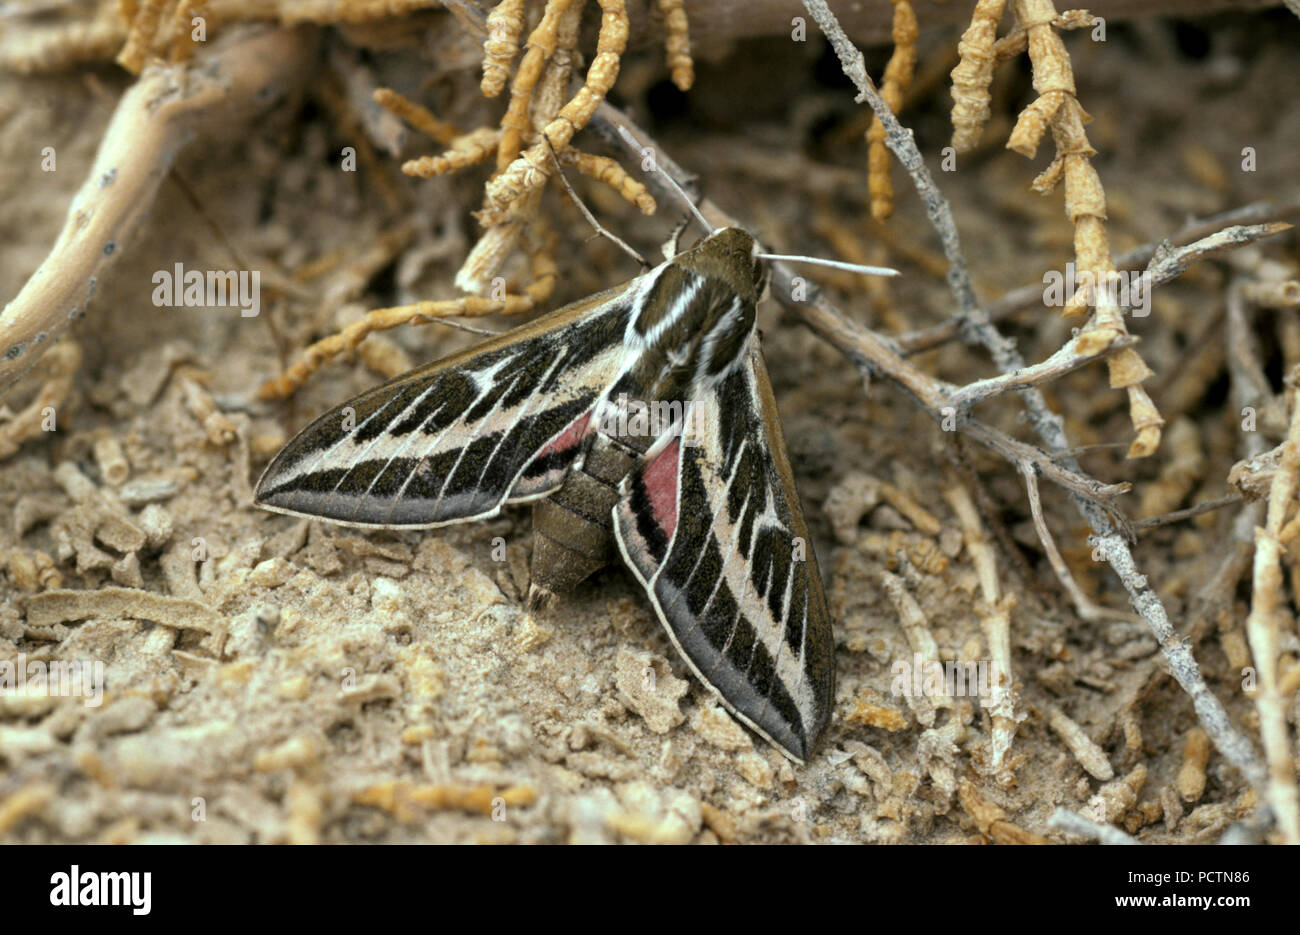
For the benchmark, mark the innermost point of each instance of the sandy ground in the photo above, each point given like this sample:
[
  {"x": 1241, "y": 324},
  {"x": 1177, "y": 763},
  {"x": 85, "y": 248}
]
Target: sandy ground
[{"x": 303, "y": 682}]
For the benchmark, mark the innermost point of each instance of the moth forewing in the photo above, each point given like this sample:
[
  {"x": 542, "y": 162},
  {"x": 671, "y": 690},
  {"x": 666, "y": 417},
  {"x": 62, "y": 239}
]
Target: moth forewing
[{"x": 373, "y": 460}]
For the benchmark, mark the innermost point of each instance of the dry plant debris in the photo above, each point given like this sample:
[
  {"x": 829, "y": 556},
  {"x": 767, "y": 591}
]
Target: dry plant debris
[
  {"x": 897, "y": 79},
  {"x": 1057, "y": 108},
  {"x": 537, "y": 127}
]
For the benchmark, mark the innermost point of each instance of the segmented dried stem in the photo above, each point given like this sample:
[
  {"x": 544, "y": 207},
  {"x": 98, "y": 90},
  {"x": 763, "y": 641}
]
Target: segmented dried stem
[
  {"x": 542, "y": 43},
  {"x": 181, "y": 33},
  {"x": 552, "y": 90},
  {"x": 1016, "y": 42},
  {"x": 42, "y": 47},
  {"x": 505, "y": 25},
  {"x": 542, "y": 118},
  {"x": 145, "y": 20},
  {"x": 136, "y": 32},
  {"x": 677, "y": 41},
  {"x": 417, "y": 116},
  {"x": 531, "y": 168},
  {"x": 140, "y": 31},
  {"x": 472, "y": 148},
  {"x": 897, "y": 79},
  {"x": 609, "y": 171},
  {"x": 973, "y": 75},
  {"x": 291, "y": 12},
  {"x": 1057, "y": 107},
  {"x": 162, "y": 29},
  {"x": 382, "y": 319},
  {"x": 539, "y": 118}
]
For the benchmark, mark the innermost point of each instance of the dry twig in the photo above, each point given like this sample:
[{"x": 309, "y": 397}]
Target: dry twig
[
  {"x": 1083, "y": 605},
  {"x": 995, "y": 621}
]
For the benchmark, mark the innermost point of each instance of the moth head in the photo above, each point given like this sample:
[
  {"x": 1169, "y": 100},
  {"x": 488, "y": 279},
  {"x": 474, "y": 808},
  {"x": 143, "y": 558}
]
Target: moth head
[{"x": 730, "y": 254}]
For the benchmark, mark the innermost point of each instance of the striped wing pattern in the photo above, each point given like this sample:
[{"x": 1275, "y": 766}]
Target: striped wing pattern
[
  {"x": 729, "y": 566},
  {"x": 708, "y": 522},
  {"x": 458, "y": 438}
]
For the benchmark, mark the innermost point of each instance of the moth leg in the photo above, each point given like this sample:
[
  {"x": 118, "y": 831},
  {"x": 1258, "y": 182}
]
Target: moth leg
[
  {"x": 539, "y": 599},
  {"x": 672, "y": 246}
]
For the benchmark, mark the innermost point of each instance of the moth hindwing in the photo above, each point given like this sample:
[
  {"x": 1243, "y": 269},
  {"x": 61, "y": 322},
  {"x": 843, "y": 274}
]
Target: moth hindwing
[{"x": 642, "y": 423}]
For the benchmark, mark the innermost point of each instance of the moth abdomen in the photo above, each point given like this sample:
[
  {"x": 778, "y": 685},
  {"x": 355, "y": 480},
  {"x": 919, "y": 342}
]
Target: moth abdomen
[{"x": 572, "y": 527}]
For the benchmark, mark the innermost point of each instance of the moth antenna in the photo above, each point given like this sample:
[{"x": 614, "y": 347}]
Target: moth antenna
[
  {"x": 837, "y": 264},
  {"x": 672, "y": 182},
  {"x": 586, "y": 212}
]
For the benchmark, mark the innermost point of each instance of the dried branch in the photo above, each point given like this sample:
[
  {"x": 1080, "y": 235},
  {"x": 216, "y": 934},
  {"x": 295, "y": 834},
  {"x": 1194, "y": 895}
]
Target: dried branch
[
  {"x": 1264, "y": 630},
  {"x": 1066, "y": 360},
  {"x": 1177, "y": 516},
  {"x": 168, "y": 108},
  {"x": 1083, "y": 605},
  {"x": 995, "y": 621}
]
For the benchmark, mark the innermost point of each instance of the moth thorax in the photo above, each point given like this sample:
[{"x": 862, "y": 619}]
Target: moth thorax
[
  {"x": 572, "y": 527},
  {"x": 722, "y": 347}
]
